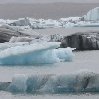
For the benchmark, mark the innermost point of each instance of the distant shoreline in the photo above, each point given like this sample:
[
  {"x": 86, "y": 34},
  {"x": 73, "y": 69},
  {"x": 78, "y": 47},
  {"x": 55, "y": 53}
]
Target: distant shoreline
[
  {"x": 48, "y": 3},
  {"x": 46, "y": 11}
]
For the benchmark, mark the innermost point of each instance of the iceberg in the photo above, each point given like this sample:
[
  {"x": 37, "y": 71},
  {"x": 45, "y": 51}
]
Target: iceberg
[
  {"x": 51, "y": 83},
  {"x": 34, "y": 53}
]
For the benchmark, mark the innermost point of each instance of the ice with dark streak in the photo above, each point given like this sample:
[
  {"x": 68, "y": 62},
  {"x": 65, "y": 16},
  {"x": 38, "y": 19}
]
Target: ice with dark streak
[{"x": 51, "y": 83}]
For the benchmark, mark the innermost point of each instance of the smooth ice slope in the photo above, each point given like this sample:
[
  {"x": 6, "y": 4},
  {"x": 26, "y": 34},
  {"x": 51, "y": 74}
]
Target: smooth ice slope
[
  {"x": 37, "y": 53},
  {"x": 7, "y": 45}
]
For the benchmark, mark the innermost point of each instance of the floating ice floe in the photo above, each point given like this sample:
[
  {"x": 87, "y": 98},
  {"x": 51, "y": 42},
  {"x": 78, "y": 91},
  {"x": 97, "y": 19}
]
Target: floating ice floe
[
  {"x": 51, "y": 83},
  {"x": 86, "y": 24},
  {"x": 34, "y": 53}
]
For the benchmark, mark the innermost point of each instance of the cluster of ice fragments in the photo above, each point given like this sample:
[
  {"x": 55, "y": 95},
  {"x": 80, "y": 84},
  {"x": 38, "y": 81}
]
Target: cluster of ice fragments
[{"x": 90, "y": 19}]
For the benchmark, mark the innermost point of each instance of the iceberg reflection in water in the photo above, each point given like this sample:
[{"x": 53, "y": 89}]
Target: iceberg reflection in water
[
  {"x": 48, "y": 83},
  {"x": 36, "y": 53}
]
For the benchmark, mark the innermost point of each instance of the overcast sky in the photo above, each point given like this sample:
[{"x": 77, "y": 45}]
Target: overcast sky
[{"x": 48, "y": 1}]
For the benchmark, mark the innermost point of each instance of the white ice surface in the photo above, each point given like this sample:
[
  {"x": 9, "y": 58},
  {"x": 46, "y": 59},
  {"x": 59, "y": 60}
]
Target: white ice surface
[{"x": 93, "y": 15}]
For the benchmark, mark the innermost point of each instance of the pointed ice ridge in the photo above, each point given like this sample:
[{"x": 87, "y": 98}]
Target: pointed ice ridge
[{"x": 92, "y": 15}]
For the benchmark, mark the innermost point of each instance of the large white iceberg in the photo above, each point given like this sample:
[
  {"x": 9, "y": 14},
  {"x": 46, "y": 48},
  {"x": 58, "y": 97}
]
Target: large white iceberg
[
  {"x": 92, "y": 15},
  {"x": 35, "y": 53}
]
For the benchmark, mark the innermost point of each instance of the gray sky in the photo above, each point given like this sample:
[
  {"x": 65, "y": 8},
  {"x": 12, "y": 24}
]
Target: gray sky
[{"x": 48, "y": 1}]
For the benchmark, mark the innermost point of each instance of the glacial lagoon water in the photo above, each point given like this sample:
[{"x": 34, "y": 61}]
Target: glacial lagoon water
[{"x": 83, "y": 60}]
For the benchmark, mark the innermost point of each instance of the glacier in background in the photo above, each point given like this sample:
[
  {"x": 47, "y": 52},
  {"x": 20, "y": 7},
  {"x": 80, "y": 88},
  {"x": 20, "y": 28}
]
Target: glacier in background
[{"x": 90, "y": 19}]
